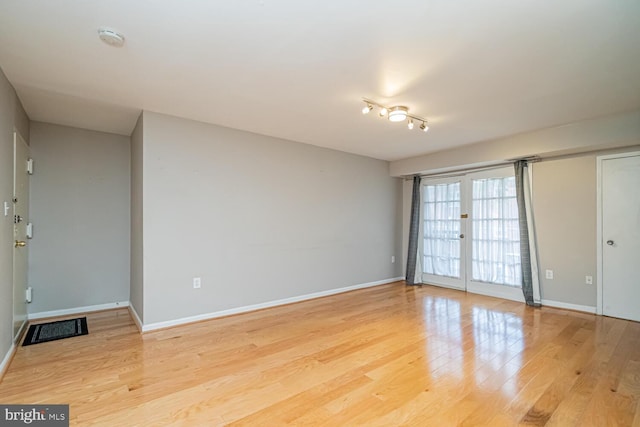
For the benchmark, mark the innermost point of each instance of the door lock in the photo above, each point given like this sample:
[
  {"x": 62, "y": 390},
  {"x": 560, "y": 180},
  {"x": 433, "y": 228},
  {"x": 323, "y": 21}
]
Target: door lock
[{"x": 20, "y": 243}]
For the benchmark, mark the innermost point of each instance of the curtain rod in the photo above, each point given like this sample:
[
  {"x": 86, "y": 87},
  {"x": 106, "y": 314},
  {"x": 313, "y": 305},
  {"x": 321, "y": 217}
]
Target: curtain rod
[{"x": 464, "y": 171}]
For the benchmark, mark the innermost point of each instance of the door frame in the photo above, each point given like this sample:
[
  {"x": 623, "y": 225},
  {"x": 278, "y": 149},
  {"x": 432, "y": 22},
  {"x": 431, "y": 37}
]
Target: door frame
[{"x": 599, "y": 242}]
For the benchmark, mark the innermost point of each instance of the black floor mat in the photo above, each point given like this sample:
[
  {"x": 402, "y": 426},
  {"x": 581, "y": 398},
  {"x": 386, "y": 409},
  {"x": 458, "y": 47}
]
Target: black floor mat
[{"x": 52, "y": 331}]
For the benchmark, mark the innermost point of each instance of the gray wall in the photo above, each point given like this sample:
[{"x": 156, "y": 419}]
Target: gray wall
[
  {"x": 12, "y": 116},
  {"x": 564, "y": 205},
  {"x": 137, "y": 260},
  {"x": 79, "y": 255},
  {"x": 257, "y": 218}
]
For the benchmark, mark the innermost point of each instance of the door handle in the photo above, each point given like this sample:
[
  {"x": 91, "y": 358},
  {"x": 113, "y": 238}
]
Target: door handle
[
  {"x": 20, "y": 243},
  {"x": 610, "y": 242}
]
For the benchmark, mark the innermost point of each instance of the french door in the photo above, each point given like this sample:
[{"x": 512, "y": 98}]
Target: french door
[
  {"x": 470, "y": 233},
  {"x": 443, "y": 254}
]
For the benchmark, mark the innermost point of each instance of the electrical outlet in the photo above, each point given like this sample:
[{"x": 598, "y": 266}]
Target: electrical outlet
[
  {"x": 549, "y": 274},
  {"x": 588, "y": 280},
  {"x": 197, "y": 283},
  {"x": 393, "y": 259}
]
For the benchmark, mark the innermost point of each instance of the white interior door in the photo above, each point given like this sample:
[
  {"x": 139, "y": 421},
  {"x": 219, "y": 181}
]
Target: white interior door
[
  {"x": 620, "y": 242},
  {"x": 443, "y": 262},
  {"x": 20, "y": 221}
]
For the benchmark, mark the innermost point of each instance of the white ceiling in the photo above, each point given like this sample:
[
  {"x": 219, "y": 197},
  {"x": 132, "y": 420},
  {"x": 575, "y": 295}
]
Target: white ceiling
[{"x": 295, "y": 69}]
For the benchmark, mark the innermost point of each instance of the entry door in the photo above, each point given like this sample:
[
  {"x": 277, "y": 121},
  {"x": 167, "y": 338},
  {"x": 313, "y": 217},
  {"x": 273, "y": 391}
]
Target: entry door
[
  {"x": 443, "y": 260},
  {"x": 620, "y": 244},
  {"x": 20, "y": 220}
]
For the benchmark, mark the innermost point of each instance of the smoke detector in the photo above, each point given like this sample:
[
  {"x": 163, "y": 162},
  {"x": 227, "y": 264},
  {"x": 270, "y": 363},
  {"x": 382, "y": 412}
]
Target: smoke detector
[{"x": 111, "y": 37}]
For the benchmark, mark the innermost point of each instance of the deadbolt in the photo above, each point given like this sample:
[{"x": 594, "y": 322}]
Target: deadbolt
[{"x": 20, "y": 243}]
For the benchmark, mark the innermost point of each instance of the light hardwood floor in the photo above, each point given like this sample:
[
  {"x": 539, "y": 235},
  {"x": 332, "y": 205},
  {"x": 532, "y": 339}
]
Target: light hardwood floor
[{"x": 384, "y": 356}]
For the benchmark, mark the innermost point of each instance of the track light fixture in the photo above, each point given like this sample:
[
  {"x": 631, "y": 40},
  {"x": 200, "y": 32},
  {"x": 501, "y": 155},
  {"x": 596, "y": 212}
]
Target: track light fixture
[{"x": 397, "y": 113}]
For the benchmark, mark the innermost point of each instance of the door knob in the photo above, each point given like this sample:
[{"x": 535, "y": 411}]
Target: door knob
[
  {"x": 610, "y": 242},
  {"x": 20, "y": 243},
  {"x": 462, "y": 236}
]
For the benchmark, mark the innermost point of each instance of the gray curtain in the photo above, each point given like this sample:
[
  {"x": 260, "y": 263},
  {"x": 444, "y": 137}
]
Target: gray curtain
[
  {"x": 414, "y": 230},
  {"x": 525, "y": 254}
]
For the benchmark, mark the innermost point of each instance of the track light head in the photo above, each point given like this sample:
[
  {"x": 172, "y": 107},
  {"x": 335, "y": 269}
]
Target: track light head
[
  {"x": 367, "y": 108},
  {"x": 383, "y": 111},
  {"x": 410, "y": 124},
  {"x": 424, "y": 127}
]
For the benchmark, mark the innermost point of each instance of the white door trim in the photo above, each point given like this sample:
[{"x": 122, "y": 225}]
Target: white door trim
[{"x": 599, "y": 161}]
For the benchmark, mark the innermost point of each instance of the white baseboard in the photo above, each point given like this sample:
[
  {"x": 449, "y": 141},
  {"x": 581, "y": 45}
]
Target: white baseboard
[
  {"x": 136, "y": 317},
  {"x": 569, "y": 306},
  {"x": 253, "y": 307},
  {"x": 5, "y": 362},
  {"x": 22, "y": 330},
  {"x": 87, "y": 309}
]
